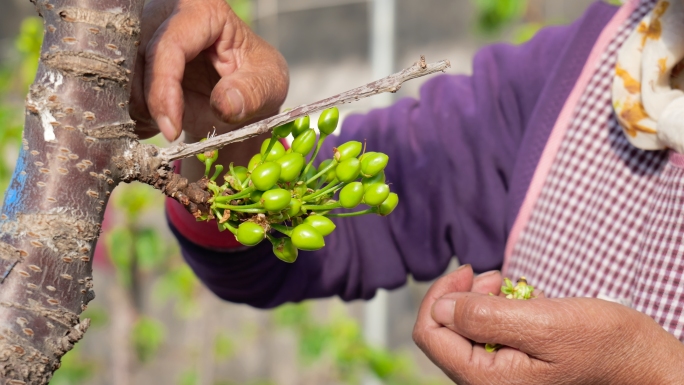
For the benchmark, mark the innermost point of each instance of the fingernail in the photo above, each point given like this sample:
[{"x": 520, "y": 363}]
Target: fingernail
[
  {"x": 236, "y": 103},
  {"x": 443, "y": 311},
  {"x": 488, "y": 273},
  {"x": 462, "y": 267},
  {"x": 167, "y": 128}
]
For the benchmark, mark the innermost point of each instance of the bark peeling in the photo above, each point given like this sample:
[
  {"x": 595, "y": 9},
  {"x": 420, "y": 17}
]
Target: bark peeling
[
  {"x": 124, "y": 23},
  {"x": 90, "y": 66}
]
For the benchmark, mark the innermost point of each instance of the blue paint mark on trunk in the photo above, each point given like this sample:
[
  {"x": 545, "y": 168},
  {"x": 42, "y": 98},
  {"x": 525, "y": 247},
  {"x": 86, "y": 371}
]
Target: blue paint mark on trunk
[{"x": 13, "y": 196}]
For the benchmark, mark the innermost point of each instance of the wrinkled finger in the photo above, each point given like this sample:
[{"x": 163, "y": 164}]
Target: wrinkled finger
[
  {"x": 467, "y": 364},
  {"x": 257, "y": 87},
  {"x": 529, "y": 326},
  {"x": 489, "y": 282},
  {"x": 451, "y": 353},
  {"x": 459, "y": 280},
  {"x": 145, "y": 127},
  {"x": 167, "y": 53},
  {"x": 154, "y": 14}
]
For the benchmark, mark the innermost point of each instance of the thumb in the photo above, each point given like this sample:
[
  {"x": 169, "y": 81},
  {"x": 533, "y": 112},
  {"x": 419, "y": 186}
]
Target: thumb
[
  {"x": 524, "y": 325},
  {"x": 257, "y": 88}
]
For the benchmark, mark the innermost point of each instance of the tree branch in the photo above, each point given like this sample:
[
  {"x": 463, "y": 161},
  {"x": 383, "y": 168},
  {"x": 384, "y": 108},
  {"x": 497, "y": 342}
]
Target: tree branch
[
  {"x": 151, "y": 165},
  {"x": 391, "y": 83}
]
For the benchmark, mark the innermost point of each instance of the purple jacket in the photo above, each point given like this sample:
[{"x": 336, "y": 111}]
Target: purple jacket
[{"x": 461, "y": 159}]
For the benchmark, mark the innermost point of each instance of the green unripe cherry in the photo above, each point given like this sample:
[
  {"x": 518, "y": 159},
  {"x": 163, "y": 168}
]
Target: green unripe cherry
[
  {"x": 250, "y": 234},
  {"x": 284, "y": 130},
  {"x": 389, "y": 204},
  {"x": 256, "y": 159},
  {"x": 276, "y": 199},
  {"x": 300, "y": 189},
  {"x": 210, "y": 154},
  {"x": 291, "y": 165},
  {"x": 266, "y": 175},
  {"x": 294, "y": 207},
  {"x": 351, "y": 195},
  {"x": 322, "y": 224},
  {"x": 305, "y": 142},
  {"x": 365, "y": 154},
  {"x": 376, "y": 194},
  {"x": 330, "y": 175},
  {"x": 240, "y": 172},
  {"x": 348, "y": 170},
  {"x": 327, "y": 122},
  {"x": 285, "y": 250},
  {"x": 377, "y": 178},
  {"x": 300, "y": 125},
  {"x": 277, "y": 151},
  {"x": 348, "y": 150},
  {"x": 309, "y": 174},
  {"x": 373, "y": 164},
  {"x": 255, "y": 196},
  {"x": 305, "y": 237}
]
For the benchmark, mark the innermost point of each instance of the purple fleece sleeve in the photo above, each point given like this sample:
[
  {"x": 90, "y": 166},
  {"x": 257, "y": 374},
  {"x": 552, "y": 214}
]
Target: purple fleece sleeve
[{"x": 451, "y": 156}]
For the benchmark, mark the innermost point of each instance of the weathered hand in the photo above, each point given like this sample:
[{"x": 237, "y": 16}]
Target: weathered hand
[
  {"x": 549, "y": 341},
  {"x": 199, "y": 66}
]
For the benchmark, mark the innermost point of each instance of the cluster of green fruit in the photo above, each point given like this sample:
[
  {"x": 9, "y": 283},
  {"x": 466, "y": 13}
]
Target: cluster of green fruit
[
  {"x": 280, "y": 190},
  {"x": 521, "y": 290}
]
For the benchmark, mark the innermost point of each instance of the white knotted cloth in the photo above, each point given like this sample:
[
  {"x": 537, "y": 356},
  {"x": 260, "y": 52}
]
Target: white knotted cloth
[{"x": 649, "y": 79}]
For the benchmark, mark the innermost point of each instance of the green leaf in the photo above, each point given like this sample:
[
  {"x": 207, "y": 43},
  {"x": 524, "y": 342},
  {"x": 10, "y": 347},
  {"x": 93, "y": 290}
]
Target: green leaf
[
  {"x": 76, "y": 368},
  {"x": 134, "y": 199},
  {"x": 28, "y": 44},
  {"x": 381, "y": 362},
  {"x": 224, "y": 347},
  {"x": 243, "y": 9},
  {"x": 526, "y": 32},
  {"x": 312, "y": 343},
  {"x": 147, "y": 336},
  {"x": 341, "y": 339},
  {"x": 98, "y": 316},
  {"x": 180, "y": 284},
  {"x": 119, "y": 243},
  {"x": 494, "y": 15},
  {"x": 189, "y": 377},
  {"x": 491, "y": 348},
  {"x": 291, "y": 315},
  {"x": 150, "y": 249}
]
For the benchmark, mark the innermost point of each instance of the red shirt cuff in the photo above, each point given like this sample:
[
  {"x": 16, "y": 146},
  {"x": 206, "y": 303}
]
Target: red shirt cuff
[{"x": 205, "y": 234}]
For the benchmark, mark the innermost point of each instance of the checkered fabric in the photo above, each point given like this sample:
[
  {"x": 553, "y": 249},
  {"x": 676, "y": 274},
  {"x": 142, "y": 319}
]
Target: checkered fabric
[{"x": 609, "y": 221}]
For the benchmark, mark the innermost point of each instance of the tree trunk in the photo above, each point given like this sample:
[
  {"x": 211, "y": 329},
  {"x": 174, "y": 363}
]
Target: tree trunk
[{"x": 77, "y": 121}]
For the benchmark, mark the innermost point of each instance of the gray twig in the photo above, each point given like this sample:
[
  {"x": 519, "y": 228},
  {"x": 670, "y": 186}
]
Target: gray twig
[{"x": 391, "y": 83}]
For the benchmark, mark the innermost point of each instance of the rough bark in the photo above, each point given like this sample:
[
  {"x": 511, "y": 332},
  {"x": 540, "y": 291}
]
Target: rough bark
[
  {"x": 78, "y": 144},
  {"x": 76, "y": 122}
]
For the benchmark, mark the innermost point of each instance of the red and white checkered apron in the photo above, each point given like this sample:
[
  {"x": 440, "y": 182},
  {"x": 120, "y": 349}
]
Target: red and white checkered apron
[{"x": 609, "y": 221}]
